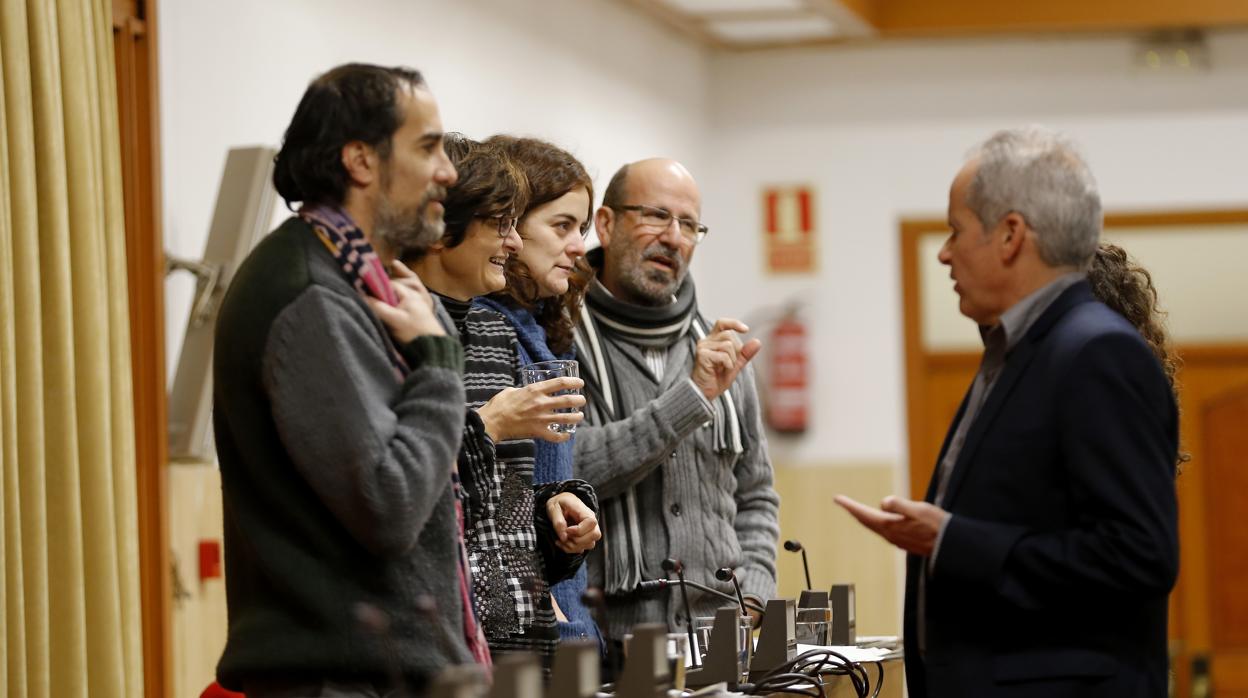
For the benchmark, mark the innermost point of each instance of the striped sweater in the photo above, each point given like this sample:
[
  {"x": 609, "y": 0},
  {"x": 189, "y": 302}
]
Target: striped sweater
[{"x": 509, "y": 537}]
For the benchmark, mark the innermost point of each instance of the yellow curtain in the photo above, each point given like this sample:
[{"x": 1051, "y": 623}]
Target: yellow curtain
[{"x": 69, "y": 596}]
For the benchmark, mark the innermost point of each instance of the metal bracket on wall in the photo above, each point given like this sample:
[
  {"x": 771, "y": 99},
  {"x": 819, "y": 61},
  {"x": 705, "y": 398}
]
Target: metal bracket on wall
[{"x": 207, "y": 278}]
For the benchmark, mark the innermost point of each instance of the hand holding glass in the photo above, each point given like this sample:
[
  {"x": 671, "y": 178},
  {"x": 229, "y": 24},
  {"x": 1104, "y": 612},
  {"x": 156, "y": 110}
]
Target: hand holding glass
[{"x": 535, "y": 374}]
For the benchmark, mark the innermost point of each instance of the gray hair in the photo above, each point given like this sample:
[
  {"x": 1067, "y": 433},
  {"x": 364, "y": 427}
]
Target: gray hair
[{"x": 1039, "y": 174}]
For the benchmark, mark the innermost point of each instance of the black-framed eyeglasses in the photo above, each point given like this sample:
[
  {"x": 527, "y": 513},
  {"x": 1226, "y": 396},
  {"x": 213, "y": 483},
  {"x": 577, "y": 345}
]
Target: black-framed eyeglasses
[
  {"x": 658, "y": 219},
  {"x": 506, "y": 223}
]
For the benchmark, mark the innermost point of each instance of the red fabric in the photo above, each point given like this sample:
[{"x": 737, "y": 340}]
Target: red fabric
[{"x": 214, "y": 690}]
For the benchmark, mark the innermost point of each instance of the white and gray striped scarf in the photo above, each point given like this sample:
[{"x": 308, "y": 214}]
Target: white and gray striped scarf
[{"x": 613, "y": 393}]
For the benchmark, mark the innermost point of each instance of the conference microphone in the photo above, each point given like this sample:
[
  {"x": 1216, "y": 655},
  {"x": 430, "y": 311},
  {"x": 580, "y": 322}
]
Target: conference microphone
[
  {"x": 652, "y": 585},
  {"x": 796, "y": 547},
  {"x": 671, "y": 565},
  {"x": 725, "y": 574}
]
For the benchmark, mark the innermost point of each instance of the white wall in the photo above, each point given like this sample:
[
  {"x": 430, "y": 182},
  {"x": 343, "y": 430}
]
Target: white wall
[
  {"x": 880, "y": 130},
  {"x": 590, "y": 75}
]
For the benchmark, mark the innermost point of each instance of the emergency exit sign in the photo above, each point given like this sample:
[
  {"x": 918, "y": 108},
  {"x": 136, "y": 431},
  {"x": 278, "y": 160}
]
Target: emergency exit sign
[{"x": 789, "y": 229}]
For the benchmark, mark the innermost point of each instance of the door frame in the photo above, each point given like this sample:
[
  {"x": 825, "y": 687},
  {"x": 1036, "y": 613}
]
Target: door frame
[{"x": 138, "y": 103}]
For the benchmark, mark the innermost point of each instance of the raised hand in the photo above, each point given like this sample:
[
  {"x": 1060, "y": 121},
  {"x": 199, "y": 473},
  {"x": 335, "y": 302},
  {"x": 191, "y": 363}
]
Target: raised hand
[
  {"x": 720, "y": 356},
  {"x": 907, "y": 524}
]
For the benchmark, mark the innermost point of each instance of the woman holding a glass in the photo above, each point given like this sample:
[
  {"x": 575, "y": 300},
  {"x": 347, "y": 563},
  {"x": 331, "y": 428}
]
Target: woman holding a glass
[
  {"x": 521, "y": 537},
  {"x": 546, "y": 282}
]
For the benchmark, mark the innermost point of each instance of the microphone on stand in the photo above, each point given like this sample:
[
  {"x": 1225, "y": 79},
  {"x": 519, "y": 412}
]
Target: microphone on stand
[
  {"x": 671, "y": 565},
  {"x": 725, "y": 574},
  {"x": 796, "y": 547},
  {"x": 652, "y": 585}
]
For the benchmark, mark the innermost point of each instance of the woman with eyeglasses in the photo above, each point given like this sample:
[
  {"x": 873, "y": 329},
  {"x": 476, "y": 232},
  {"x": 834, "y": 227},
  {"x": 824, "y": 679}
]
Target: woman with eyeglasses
[
  {"x": 546, "y": 282},
  {"x": 521, "y": 537}
]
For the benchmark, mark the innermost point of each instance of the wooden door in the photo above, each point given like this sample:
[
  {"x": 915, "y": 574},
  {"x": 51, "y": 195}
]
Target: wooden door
[{"x": 1226, "y": 477}]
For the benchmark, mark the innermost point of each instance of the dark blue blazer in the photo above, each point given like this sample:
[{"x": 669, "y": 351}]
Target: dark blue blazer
[{"x": 1053, "y": 575}]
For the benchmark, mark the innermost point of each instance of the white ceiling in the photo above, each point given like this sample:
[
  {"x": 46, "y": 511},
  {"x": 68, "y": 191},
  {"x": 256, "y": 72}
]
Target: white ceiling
[{"x": 757, "y": 23}]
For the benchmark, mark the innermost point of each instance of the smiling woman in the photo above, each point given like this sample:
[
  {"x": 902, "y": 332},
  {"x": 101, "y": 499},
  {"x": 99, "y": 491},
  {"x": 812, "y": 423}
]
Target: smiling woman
[
  {"x": 521, "y": 537},
  {"x": 480, "y": 218}
]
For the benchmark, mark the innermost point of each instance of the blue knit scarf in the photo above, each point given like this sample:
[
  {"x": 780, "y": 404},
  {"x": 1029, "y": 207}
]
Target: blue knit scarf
[{"x": 553, "y": 463}]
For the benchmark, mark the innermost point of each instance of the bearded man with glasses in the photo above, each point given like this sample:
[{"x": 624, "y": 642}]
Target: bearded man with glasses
[{"x": 673, "y": 439}]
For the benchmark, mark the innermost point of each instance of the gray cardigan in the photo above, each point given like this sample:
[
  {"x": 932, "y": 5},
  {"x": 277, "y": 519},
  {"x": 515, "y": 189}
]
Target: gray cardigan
[
  {"x": 709, "y": 509},
  {"x": 336, "y": 479}
]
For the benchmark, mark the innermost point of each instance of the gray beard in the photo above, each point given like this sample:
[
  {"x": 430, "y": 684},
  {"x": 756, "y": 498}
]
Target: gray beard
[
  {"x": 651, "y": 287},
  {"x": 648, "y": 286}
]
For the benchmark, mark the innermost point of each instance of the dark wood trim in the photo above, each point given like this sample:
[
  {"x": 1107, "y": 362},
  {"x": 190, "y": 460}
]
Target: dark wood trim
[
  {"x": 135, "y": 50},
  {"x": 979, "y": 17},
  {"x": 1169, "y": 219}
]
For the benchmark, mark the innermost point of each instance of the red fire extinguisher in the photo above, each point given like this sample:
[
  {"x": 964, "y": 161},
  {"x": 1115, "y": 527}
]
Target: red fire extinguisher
[{"x": 788, "y": 399}]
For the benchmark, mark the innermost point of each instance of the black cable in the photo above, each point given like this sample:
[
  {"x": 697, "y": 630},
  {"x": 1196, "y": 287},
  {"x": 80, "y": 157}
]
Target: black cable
[
  {"x": 785, "y": 683},
  {"x": 816, "y": 663},
  {"x": 819, "y": 662}
]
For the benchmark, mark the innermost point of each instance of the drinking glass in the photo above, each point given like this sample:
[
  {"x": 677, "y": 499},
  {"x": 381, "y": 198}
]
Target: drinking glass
[
  {"x": 702, "y": 627},
  {"x": 813, "y": 626},
  {"x": 546, "y": 370}
]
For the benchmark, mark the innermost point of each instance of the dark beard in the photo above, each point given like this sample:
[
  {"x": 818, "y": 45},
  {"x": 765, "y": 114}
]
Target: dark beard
[{"x": 402, "y": 231}]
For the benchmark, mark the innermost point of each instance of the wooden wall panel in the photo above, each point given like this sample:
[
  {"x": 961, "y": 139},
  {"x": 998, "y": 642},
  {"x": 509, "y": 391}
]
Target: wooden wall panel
[
  {"x": 840, "y": 550},
  {"x": 200, "y": 621},
  {"x": 1229, "y": 674}
]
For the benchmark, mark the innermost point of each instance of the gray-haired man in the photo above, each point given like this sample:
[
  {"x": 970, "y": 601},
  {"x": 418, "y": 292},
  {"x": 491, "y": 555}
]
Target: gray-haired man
[{"x": 1041, "y": 561}]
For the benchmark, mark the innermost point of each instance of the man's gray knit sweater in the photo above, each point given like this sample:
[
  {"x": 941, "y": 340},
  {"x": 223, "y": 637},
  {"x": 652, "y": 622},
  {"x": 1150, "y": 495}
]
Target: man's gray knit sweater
[
  {"x": 336, "y": 478},
  {"x": 709, "y": 509}
]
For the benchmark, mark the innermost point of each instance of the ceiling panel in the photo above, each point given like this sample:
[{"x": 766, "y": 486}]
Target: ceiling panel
[
  {"x": 703, "y": 7},
  {"x": 772, "y": 30}
]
